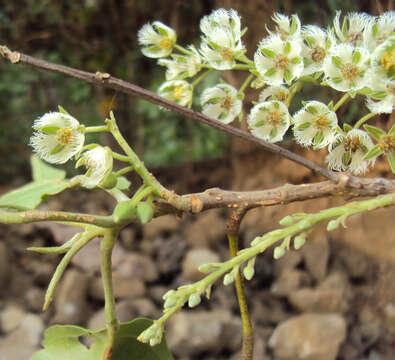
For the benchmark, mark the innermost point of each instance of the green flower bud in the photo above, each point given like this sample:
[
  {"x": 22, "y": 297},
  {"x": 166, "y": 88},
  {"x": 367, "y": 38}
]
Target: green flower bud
[
  {"x": 194, "y": 300},
  {"x": 125, "y": 210},
  {"x": 279, "y": 251},
  {"x": 228, "y": 279}
]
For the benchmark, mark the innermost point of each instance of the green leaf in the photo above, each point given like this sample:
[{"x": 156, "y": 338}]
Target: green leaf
[
  {"x": 303, "y": 126},
  {"x": 347, "y": 127},
  {"x": 318, "y": 138},
  {"x": 287, "y": 47},
  {"x": 271, "y": 72},
  {"x": 144, "y": 212},
  {"x": 29, "y": 196},
  {"x": 373, "y": 152},
  {"x": 43, "y": 171},
  {"x": 122, "y": 183},
  {"x": 268, "y": 53},
  {"x": 296, "y": 60},
  {"x": 374, "y": 132},
  {"x": 391, "y": 160},
  {"x": 62, "y": 110},
  {"x": 312, "y": 110},
  {"x": 62, "y": 343},
  {"x": 391, "y": 131},
  {"x": 337, "y": 62},
  {"x": 356, "y": 56}
]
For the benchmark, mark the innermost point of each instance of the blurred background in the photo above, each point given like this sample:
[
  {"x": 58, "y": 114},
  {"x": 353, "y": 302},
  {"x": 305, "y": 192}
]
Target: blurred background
[{"x": 341, "y": 282}]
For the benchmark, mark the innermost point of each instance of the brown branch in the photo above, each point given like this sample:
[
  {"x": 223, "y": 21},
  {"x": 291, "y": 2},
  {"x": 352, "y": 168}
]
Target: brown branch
[
  {"x": 347, "y": 186},
  {"x": 106, "y": 80}
]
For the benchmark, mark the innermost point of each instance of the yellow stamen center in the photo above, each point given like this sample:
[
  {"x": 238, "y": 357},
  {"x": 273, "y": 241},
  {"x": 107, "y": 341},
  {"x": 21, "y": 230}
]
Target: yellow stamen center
[
  {"x": 178, "y": 92},
  {"x": 64, "y": 136},
  {"x": 388, "y": 61},
  {"x": 274, "y": 117},
  {"x": 320, "y": 122},
  {"x": 352, "y": 144},
  {"x": 227, "y": 54},
  {"x": 387, "y": 143},
  {"x": 165, "y": 43},
  {"x": 391, "y": 89},
  {"x": 350, "y": 72},
  {"x": 318, "y": 54},
  {"x": 227, "y": 102},
  {"x": 281, "y": 62},
  {"x": 282, "y": 95}
]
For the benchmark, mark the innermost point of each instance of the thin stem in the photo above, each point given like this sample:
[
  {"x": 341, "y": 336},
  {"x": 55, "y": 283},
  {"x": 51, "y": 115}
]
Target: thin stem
[
  {"x": 141, "y": 194},
  {"x": 120, "y": 157},
  {"x": 84, "y": 238},
  {"x": 363, "y": 119},
  {"x": 241, "y": 67},
  {"x": 245, "y": 83},
  {"x": 182, "y": 49},
  {"x": 248, "y": 333},
  {"x": 93, "y": 129},
  {"x": 117, "y": 194},
  {"x": 124, "y": 171},
  {"x": 341, "y": 101},
  {"x": 294, "y": 89},
  {"x": 112, "y": 323},
  {"x": 201, "y": 77}
]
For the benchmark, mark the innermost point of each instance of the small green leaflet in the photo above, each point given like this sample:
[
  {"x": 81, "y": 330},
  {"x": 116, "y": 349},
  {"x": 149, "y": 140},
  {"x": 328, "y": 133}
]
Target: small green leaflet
[
  {"x": 61, "y": 342},
  {"x": 47, "y": 181}
]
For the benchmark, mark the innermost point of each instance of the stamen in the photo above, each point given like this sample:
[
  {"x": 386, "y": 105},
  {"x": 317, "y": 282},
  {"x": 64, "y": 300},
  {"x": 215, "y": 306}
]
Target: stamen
[
  {"x": 318, "y": 54},
  {"x": 64, "y": 136},
  {"x": 350, "y": 72},
  {"x": 165, "y": 43}
]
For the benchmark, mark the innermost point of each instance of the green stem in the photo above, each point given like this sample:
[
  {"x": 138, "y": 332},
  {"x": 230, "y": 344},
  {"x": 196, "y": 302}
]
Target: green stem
[
  {"x": 124, "y": 171},
  {"x": 120, "y": 157},
  {"x": 140, "y": 194},
  {"x": 88, "y": 235},
  {"x": 248, "y": 334},
  {"x": 158, "y": 189},
  {"x": 92, "y": 129},
  {"x": 294, "y": 89},
  {"x": 241, "y": 67},
  {"x": 341, "y": 101},
  {"x": 112, "y": 323},
  {"x": 201, "y": 77},
  {"x": 26, "y": 217},
  {"x": 363, "y": 119},
  {"x": 182, "y": 49},
  {"x": 245, "y": 83},
  {"x": 117, "y": 194}
]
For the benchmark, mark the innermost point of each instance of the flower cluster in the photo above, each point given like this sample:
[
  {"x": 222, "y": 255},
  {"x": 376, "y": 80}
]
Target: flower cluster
[
  {"x": 356, "y": 55},
  {"x": 58, "y": 137}
]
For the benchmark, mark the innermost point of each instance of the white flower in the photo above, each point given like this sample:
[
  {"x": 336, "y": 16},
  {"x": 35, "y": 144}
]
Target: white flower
[
  {"x": 269, "y": 120},
  {"x": 182, "y": 66},
  {"x": 377, "y": 32},
  {"x": 383, "y": 97},
  {"x": 316, "y": 46},
  {"x": 179, "y": 91},
  {"x": 278, "y": 61},
  {"x": 383, "y": 58},
  {"x": 221, "y": 41},
  {"x": 353, "y": 27},
  {"x": 315, "y": 125},
  {"x": 157, "y": 39},
  {"x": 345, "y": 67},
  {"x": 221, "y": 103},
  {"x": 277, "y": 92},
  {"x": 348, "y": 152},
  {"x": 58, "y": 137},
  {"x": 98, "y": 163},
  {"x": 287, "y": 28}
]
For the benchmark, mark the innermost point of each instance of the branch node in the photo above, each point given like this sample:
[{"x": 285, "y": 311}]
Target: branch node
[
  {"x": 13, "y": 56},
  {"x": 102, "y": 76}
]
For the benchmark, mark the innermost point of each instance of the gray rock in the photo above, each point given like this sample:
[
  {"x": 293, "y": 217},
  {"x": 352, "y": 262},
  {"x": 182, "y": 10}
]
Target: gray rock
[
  {"x": 207, "y": 230},
  {"x": 127, "y": 237},
  {"x": 24, "y": 341},
  {"x": 70, "y": 300},
  {"x": 289, "y": 261},
  {"x": 288, "y": 282},
  {"x": 309, "y": 337},
  {"x": 193, "y": 259},
  {"x": 11, "y": 317},
  {"x": 191, "y": 333},
  {"x": 34, "y": 299},
  {"x": 135, "y": 265},
  {"x": 124, "y": 288},
  {"x": 316, "y": 255},
  {"x": 318, "y": 300},
  {"x": 160, "y": 225}
]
